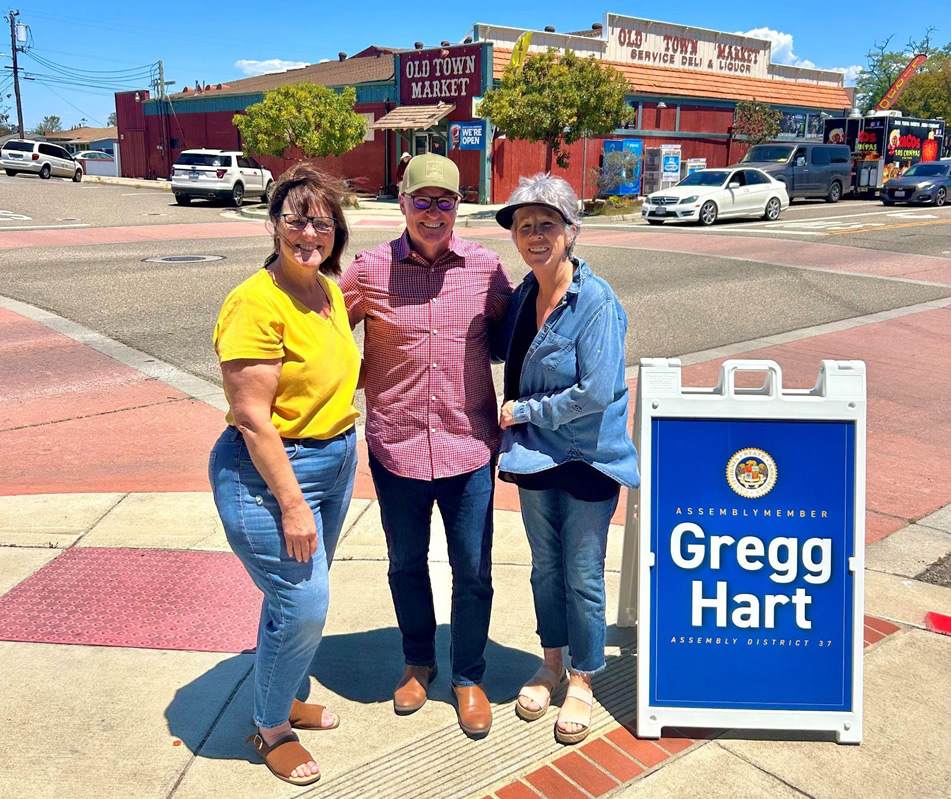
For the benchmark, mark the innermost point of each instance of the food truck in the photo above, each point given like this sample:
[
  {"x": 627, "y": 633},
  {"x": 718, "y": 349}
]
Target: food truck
[{"x": 885, "y": 144}]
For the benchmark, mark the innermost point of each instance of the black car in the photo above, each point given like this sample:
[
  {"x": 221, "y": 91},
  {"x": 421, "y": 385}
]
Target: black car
[{"x": 922, "y": 183}]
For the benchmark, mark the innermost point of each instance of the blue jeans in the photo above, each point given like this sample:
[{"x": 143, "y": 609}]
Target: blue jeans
[
  {"x": 568, "y": 538},
  {"x": 406, "y": 508},
  {"x": 296, "y": 595}
]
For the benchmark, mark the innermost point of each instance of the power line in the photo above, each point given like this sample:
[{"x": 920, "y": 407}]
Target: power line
[
  {"x": 131, "y": 72},
  {"x": 85, "y": 56},
  {"x": 115, "y": 27},
  {"x": 55, "y": 79},
  {"x": 84, "y": 113},
  {"x": 97, "y": 79},
  {"x": 116, "y": 84},
  {"x": 72, "y": 90}
]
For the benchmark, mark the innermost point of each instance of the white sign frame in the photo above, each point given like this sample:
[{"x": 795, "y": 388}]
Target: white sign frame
[{"x": 838, "y": 395}]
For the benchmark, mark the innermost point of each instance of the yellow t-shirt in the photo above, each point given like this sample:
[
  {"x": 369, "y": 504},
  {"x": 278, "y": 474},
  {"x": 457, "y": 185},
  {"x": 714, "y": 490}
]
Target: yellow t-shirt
[{"x": 320, "y": 360}]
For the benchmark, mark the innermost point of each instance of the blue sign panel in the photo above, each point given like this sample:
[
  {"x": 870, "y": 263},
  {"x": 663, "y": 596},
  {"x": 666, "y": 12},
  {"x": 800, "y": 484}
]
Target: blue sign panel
[
  {"x": 751, "y": 592},
  {"x": 630, "y": 177},
  {"x": 671, "y": 164},
  {"x": 467, "y": 135}
]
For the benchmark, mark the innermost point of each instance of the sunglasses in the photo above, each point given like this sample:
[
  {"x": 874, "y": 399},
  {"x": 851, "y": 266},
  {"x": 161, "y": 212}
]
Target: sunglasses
[
  {"x": 321, "y": 224},
  {"x": 422, "y": 202}
]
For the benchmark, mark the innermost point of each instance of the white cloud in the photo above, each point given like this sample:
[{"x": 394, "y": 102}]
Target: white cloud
[
  {"x": 249, "y": 67},
  {"x": 782, "y": 46},
  {"x": 850, "y": 74},
  {"x": 783, "y": 53}
]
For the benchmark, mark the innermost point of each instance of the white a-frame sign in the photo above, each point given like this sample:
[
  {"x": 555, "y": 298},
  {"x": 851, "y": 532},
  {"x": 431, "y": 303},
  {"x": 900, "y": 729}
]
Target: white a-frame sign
[{"x": 745, "y": 576}]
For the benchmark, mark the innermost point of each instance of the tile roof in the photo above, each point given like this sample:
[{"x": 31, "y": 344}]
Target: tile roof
[
  {"x": 329, "y": 73},
  {"x": 668, "y": 82},
  {"x": 79, "y": 135},
  {"x": 589, "y": 33}
]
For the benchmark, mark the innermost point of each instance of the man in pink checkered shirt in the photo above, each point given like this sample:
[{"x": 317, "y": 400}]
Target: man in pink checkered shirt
[{"x": 427, "y": 301}]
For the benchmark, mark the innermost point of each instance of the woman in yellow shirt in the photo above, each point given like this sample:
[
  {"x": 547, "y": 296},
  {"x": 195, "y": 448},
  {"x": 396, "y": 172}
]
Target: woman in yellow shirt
[{"x": 282, "y": 472}]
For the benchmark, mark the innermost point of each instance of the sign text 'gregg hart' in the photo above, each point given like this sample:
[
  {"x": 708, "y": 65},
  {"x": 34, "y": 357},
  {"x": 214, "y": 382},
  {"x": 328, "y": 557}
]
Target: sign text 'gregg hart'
[
  {"x": 752, "y": 562},
  {"x": 749, "y": 550}
]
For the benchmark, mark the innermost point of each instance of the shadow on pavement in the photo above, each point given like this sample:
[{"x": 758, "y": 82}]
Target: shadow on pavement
[{"x": 364, "y": 667}]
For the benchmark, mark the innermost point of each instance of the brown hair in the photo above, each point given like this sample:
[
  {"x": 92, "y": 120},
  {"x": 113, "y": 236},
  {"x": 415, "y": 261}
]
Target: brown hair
[{"x": 306, "y": 187}]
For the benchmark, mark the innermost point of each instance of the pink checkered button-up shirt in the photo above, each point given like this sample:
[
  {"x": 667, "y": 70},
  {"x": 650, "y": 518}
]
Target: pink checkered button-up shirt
[{"x": 431, "y": 408}]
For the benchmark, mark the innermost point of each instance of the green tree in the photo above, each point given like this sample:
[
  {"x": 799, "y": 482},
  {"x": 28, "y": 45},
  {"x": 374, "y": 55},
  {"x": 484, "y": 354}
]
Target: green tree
[
  {"x": 885, "y": 65},
  {"x": 50, "y": 124},
  {"x": 315, "y": 120},
  {"x": 929, "y": 92},
  {"x": 5, "y": 127},
  {"x": 111, "y": 120},
  {"x": 558, "y": 98},
  {"x": 758, "y": 122}
]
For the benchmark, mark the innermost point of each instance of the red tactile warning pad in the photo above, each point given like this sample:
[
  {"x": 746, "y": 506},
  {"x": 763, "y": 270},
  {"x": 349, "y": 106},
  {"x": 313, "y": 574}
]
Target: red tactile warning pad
[{"x": 145, "y": 598}]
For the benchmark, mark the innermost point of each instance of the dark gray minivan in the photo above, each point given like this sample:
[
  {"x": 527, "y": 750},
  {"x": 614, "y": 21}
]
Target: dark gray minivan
[{"x": 808, "y": 170}]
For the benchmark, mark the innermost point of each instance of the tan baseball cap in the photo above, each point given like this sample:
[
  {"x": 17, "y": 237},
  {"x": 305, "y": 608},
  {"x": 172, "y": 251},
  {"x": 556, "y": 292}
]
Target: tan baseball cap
[{"x": 431, "y": 171}]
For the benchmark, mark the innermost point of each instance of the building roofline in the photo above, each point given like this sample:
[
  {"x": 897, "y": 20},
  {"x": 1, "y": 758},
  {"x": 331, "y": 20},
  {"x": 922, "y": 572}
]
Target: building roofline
[{"x": 517, "y": 29}]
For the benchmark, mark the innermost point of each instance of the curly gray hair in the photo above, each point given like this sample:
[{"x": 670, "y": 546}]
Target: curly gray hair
[{"x": 555, "y": 192}]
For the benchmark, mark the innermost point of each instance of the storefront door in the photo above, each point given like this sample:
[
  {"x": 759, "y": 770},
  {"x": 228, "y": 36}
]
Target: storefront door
[{"x": 429, "y": 142}]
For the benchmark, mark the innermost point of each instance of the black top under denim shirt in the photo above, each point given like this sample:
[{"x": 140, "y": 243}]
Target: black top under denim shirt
[{"x": 577, "y": 478}]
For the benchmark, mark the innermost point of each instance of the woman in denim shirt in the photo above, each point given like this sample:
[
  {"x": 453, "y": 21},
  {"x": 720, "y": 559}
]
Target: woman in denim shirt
[{"x": 564, "y": 441}]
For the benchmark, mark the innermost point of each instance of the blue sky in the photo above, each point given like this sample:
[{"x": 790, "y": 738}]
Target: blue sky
[{"x": 226, "y": 41}]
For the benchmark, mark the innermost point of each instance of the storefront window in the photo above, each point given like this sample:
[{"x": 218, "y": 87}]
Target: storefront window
[{"x": 792, "y": 125}]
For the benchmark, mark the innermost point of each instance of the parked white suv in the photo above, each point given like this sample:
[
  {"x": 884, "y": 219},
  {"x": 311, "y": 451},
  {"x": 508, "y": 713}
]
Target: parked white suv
[
  {"x": 219, "y": 175},
  {"x": 40, "y": 158}
]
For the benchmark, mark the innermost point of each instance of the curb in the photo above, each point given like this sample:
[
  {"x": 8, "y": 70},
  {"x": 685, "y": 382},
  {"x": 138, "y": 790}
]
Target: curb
[
  {"x": 257, "y": 212},
  {"x": 614, "y": 758},
  {"x": 135, "y": 183}
]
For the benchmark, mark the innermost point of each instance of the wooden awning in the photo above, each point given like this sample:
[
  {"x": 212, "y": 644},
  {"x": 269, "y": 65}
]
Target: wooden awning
[{"x": 413, "y": 117}]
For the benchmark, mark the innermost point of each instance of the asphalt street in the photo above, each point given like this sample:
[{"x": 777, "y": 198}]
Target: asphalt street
[
  {"x": 921, "y": 230},
  {"x": 676, "y": 303},
  {"x": 26, "y": 201}
]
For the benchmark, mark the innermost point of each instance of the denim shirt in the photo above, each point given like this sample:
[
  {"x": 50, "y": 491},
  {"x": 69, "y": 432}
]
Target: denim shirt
[{"x": 572, "y": 396}]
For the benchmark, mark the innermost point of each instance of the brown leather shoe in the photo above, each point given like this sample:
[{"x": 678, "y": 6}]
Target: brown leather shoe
[
  {"x": 475, "y": 713},
  {"x": 410, "y": 693}
]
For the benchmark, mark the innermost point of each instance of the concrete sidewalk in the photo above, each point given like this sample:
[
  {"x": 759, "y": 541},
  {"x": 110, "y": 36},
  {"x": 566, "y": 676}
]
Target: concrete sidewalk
[{"x": 125, "y": 621}]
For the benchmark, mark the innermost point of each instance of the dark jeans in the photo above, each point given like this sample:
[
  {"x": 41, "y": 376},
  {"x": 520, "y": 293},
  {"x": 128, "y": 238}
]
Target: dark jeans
[{"x": 406, "y": 508}]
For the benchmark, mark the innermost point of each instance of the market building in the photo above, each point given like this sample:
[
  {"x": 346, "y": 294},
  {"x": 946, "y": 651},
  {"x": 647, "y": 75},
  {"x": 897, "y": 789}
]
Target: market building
[{"x": 684, "y": 84}]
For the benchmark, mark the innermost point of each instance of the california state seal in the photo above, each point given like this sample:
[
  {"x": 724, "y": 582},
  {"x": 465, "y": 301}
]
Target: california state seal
[{"x": 751, "y": 473}]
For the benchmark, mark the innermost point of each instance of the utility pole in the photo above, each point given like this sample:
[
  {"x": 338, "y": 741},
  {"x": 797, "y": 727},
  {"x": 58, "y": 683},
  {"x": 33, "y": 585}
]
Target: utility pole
[
  {"x": 16, "y": 75},
  {"x": 160, "y": 85}
]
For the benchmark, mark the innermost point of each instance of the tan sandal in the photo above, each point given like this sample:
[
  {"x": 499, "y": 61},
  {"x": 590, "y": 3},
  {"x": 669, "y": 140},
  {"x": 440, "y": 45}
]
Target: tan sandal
[
  {"x": 570, "y": 717},
  {"x": 539, "y": 689},
  {"x": 310, "y": 717},
  {"x": 282, "y": 758}
]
